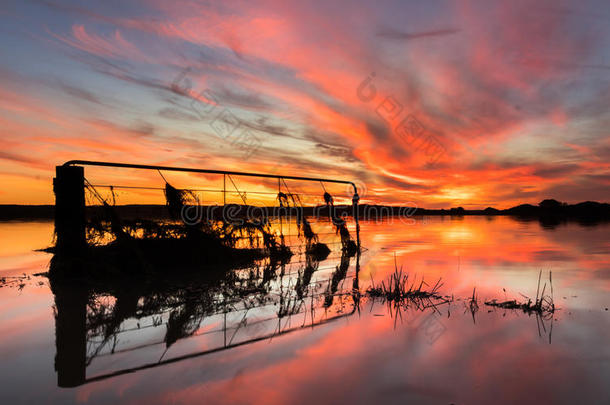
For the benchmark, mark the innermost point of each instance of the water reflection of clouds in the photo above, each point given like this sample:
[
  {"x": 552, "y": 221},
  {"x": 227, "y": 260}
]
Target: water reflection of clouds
[{"x": 367, "y": 358}]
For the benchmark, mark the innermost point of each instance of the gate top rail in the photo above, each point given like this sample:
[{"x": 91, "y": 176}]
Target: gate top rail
[{"x": 193, "y": 170}]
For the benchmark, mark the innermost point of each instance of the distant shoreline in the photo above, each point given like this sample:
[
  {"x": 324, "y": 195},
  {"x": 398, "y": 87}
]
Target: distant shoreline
[{"x": 550, "y": 210}]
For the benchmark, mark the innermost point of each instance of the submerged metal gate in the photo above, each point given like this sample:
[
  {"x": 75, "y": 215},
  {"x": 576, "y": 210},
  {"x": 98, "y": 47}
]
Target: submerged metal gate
[
  {"x": 290, "y": 296},
  {"x": 69, "y": 186}
]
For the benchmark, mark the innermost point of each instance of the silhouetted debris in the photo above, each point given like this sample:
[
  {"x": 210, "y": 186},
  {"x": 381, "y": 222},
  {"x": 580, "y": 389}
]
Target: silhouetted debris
[
  {"x": 305, "y": 229},
  {"x": 21, "y": 281},
  {"x": 177, "y": 200},
  {"x": 330, "y": 206},
  {"x": 285, "y": 200},
  {"x": 328, "y": 199},
  {"x": 312, "y": 245},
  {"x": 143, "y": 245},
  {"x": 347, "y": 243},
  {"x": 304, "y": 278},
  {"x": 338, "y": 275},
  {"x": 319, "y": 251}
]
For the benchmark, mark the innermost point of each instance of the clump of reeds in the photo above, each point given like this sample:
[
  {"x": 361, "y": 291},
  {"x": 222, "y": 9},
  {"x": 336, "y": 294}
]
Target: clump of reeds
[
  {"x": 106, "y": 223},
  {"x": 184, "y": 321},
  {"x": 305, "y": 228},
  {"x": 330, "y": 205},
  {"x": 542, "y": 305},
  {"x": 402, "y": 291},
  {"x": 205, "y": 237},
  {"x": 254, "y": 231},
  {"x": 473, "y": 302},
  {"x": 232, "y": 233},
  {"x": 338, "y": 275},
  {"x": 303, "y": 225},
  {"x": 304, "y": 278},
  {"x": 318, "y": 251},
  {"x": 347, "y": 243},
  {"x": 312, "y": 244},
  {"x": 399, "y": 289},
  {"x": 288, "y": 304},
  {"x": 177, "y": 199},
  {"x": 228, "y": 234},
  {"x": 285, "y": 199}
]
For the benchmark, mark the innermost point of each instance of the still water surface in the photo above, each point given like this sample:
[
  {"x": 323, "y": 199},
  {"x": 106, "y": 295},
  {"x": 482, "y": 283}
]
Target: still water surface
[{"x": 274, "y": 342}]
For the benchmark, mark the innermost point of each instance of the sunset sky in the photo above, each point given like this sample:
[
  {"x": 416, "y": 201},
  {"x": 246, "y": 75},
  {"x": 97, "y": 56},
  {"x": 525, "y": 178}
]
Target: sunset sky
[{"x": 441, "y": 103}]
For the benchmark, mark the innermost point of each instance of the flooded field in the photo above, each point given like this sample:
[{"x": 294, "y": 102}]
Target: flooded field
[{"x": 306, "y": 331}]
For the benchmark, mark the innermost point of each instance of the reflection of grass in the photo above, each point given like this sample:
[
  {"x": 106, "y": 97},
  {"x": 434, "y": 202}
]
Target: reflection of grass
[
  {"x": 338, "y": 275},
  {"x": 542, "y": 305}
]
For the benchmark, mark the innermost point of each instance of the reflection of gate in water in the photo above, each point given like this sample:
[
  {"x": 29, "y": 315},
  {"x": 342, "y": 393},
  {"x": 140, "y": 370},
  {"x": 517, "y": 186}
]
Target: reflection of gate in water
[{"x": 100, "y": 326}]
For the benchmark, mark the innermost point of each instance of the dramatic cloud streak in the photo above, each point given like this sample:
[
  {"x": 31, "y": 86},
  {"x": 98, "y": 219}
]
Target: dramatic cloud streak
[{"x": 441, "y": 104}]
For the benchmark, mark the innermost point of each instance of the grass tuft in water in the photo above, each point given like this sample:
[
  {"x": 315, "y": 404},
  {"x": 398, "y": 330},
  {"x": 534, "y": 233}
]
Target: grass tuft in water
[
  {"x": 542, "y": 305},
  {"x": 400, "y": 289}
]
